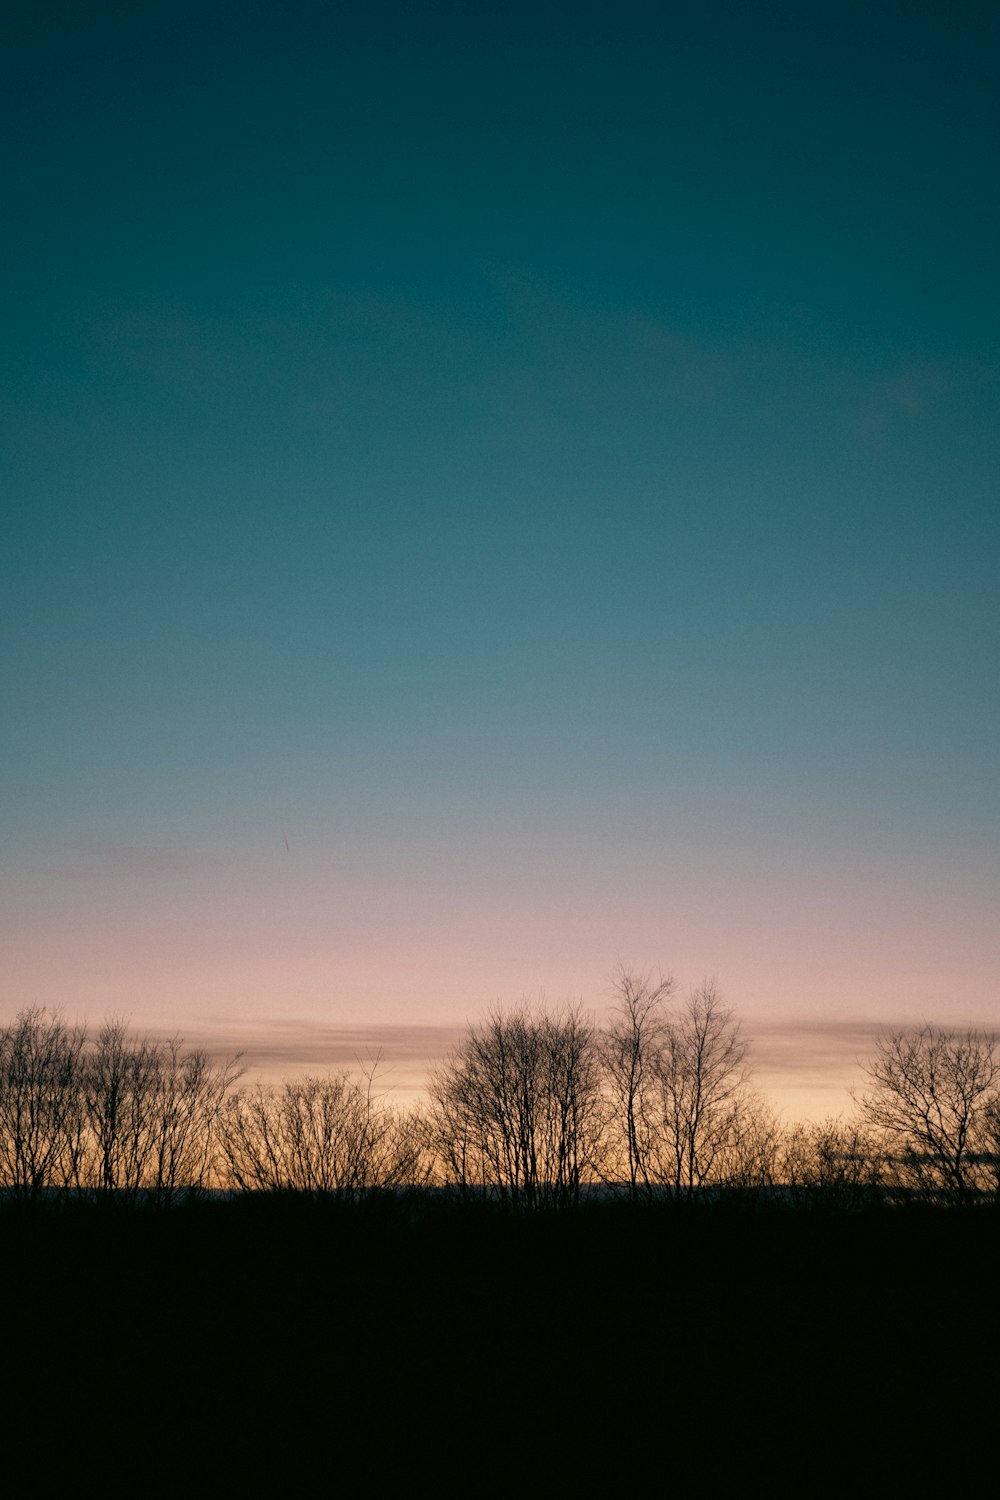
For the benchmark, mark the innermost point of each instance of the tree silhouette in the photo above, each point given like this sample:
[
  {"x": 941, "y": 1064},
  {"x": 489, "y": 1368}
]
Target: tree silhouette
[
  {"x": 41, "y": 1117},
  {"x": 631, "y": 1050},
  {"x": 834, "y": 1163},
  {"x": 320, "y": 1136},
  {"x": 933, "y": 1094},
  {"x": 516, "y": 1112}
]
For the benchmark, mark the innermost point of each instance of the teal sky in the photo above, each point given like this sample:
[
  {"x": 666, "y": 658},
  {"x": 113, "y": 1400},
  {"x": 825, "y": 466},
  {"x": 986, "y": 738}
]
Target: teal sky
[{"x": 493, "y": 490}]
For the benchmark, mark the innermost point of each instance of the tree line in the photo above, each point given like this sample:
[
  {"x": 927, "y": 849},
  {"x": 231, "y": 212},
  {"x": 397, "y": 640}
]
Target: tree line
[{"x": 536, "y": 1108}]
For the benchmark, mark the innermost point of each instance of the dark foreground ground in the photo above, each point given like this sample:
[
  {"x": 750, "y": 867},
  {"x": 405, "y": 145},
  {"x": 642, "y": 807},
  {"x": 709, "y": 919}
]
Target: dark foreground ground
[{"x": 251, "y": 1345}]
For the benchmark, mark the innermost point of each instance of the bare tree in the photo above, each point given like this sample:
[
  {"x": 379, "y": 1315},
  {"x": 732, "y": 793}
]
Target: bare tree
[
  {"x": 834, "y": 1164},
  {"x": 187, "y": 1096},
  {"x": 677, "y": 1084},
  {"x": 631, "y": 1050},
  {"x": 120, "y": 1084},
  {"x": 990, "y": 1146},
  {"x": 931, "y": 1094},
  {"x": 750, "y": 1158},
  {"x": 151, "y": 1111},
  {"x": 41, "y": 1122},
  {"x": 515, "y": 1112},
  {"x": 322, "y": 1136},
  {"x": 702, "y": 1078}
]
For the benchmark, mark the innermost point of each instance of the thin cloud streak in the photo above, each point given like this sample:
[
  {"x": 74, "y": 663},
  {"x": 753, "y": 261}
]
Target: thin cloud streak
[
  {"x": 271, "y": 1051},
  {"x": 807, "y": 1069}
]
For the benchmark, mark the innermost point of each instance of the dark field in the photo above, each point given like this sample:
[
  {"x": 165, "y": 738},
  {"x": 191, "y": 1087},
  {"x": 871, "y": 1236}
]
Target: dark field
[{"x": 368, "y": 1344}]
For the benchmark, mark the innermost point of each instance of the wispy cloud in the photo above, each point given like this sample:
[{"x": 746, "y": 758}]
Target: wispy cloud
[
  {"x": 807, "y": 1065},
  {"x": 273, "y": 1050}
]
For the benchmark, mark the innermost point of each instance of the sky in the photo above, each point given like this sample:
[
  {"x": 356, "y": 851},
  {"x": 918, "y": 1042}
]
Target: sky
[{"x": 494, "y": 492}]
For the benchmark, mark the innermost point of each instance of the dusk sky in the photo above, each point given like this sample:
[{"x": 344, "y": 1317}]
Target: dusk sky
[{"x": 490, "y": 491}]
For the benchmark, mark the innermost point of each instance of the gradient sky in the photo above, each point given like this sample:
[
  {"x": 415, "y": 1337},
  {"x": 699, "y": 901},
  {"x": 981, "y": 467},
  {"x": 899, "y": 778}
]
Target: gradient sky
[{"x": 492, "y": 491}]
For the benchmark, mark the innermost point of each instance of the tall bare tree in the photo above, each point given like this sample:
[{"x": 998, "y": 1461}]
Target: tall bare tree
[
  {"x": 702, "y": 1078},
  {"x": 515, "y": 1112},
  {"x": 120, "y": 1085},
  {"x": 631, "y": 1048},
  {"x": 931, "y": 1094},
  {"x": 41, "y": 1119},
  {"x": 188, "y": 1093},
  {"x": 151, "y": 1111}
]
